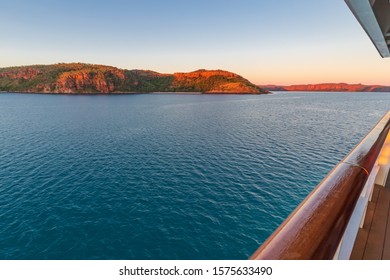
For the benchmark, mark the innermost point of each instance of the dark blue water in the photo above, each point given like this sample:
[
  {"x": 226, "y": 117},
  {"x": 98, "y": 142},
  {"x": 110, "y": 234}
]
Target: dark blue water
[{"x": 165, "y": 176}]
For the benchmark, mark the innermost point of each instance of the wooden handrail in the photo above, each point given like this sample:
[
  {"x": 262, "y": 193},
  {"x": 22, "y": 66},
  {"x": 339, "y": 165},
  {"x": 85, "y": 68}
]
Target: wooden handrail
[{"x": 315, "y": 228}]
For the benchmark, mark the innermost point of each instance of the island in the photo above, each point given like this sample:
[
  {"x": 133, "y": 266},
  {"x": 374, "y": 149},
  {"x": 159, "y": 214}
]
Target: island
[{"x": 81, "y": 78}]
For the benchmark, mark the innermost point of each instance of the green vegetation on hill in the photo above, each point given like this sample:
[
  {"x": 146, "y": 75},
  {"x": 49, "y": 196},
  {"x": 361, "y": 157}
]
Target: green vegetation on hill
[{"x": 87, "y": 78}]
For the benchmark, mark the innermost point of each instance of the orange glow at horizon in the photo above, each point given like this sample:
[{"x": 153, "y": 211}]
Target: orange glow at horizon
[{"x": 355, "y": 67}]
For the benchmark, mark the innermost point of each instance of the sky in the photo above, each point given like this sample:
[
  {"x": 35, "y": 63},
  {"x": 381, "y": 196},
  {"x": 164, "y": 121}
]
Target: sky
[{"x": 268, "y": 42}]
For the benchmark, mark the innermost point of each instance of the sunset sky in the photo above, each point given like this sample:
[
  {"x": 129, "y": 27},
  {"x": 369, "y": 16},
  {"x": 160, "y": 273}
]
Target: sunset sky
[{"x": 268, "y": 42}]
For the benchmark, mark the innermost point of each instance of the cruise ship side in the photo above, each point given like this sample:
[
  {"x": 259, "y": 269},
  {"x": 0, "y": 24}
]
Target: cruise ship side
[{"x": 347, "y": 216}]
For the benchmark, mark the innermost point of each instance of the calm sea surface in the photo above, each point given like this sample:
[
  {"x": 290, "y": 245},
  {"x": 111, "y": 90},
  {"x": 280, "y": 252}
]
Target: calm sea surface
[{"x": 165, "y": 176}]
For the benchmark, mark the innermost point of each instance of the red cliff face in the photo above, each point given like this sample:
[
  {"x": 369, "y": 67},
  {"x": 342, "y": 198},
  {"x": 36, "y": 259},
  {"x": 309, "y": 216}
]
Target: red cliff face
[
  {"x": 214, "y": 81},
  {"x": 330, "y": 87},
  {"x": 99, "y": 80},
  {"x": 327, "y": 87}
]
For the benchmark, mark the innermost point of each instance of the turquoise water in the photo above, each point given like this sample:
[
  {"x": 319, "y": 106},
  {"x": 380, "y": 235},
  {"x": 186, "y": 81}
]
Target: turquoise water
[{"x": 165, "y": 176}]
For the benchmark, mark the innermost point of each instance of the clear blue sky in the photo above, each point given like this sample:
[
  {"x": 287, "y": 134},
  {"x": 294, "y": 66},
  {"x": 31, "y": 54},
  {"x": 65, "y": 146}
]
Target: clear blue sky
[{"x": 266, "y": 41}]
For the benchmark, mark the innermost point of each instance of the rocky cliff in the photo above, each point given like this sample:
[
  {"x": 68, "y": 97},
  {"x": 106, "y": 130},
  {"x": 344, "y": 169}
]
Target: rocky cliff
[
  {"x": 333, "y": 87},
  {"x": 78, "y": 78}
]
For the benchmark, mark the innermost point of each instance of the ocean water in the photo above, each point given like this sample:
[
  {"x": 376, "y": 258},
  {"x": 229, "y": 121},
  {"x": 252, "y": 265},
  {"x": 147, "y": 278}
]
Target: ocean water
[{"x": 159, "y": 176}]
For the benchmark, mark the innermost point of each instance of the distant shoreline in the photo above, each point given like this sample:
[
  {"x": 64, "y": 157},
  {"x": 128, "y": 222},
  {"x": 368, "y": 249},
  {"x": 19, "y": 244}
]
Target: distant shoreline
[{"x": 328, "y": 87}]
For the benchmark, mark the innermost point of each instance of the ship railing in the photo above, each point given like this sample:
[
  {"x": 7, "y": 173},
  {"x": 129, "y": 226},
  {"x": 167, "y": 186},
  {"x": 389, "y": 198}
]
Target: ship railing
[
  {"x": 325, "y": 224},
  {"x": 357, "y": 219}
]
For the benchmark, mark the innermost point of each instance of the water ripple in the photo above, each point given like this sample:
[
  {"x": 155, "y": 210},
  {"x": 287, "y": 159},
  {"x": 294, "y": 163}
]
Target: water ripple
[{"x": 165, "y": 176}]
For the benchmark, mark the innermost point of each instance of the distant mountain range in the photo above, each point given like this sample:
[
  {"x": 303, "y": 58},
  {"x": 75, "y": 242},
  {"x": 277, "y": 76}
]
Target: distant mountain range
[
  {"x": 329, "y": 87},
  {"x": 79, "y": 78}
]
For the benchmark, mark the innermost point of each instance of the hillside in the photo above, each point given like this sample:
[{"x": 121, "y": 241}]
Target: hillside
[
  {"x": 342, "y": 87},
  {"x": 78, "y": 78}
]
